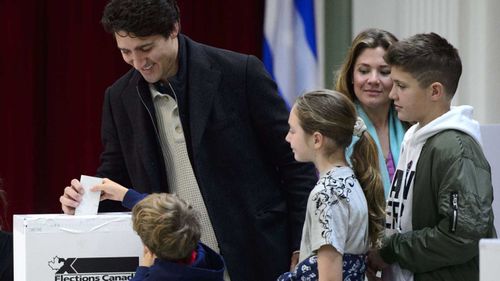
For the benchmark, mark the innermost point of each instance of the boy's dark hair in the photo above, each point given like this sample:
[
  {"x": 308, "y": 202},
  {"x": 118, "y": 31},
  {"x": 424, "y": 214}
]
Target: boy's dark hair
[
  {"x": 141, "y": 18},
  {"x": 429, "y": 58}
]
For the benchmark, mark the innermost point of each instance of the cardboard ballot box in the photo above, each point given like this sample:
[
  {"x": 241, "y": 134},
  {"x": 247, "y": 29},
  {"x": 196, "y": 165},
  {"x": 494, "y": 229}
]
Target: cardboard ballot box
[
  {"x": 75, "y": 248},
  {"x": 489, "y": 254}
]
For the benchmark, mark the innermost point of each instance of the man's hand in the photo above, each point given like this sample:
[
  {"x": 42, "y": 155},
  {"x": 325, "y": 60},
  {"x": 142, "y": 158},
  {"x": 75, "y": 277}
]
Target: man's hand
[{"x": 71, "y": 197}]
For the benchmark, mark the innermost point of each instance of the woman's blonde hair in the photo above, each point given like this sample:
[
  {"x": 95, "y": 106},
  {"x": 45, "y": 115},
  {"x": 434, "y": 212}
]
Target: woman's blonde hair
[
  {"x": 333, "y": 115},
  {"x": 167, "y": 225},
  {"x": 367, "y": 39}
]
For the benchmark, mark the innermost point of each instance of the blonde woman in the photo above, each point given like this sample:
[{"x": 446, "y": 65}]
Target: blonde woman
[{"x": 364, "y": 78}]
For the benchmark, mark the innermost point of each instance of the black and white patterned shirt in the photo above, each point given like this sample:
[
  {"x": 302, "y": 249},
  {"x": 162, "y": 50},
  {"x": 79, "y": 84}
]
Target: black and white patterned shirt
[{"x": 337, "y": 215}]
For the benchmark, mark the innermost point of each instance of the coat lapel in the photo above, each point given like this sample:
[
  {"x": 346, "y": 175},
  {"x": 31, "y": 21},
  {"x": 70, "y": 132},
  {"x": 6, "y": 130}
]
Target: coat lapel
[
  {"x": 203, "y": 82},
  {"x": 138, "y": 100}
]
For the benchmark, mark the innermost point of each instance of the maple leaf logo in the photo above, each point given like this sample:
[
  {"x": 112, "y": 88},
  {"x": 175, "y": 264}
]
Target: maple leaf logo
[{"x": 56, "y": 263}]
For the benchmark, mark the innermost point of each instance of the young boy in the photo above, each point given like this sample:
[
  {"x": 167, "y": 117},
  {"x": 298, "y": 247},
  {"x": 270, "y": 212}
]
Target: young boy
[
  {"x": 170, "y": 231},
  {"x": 441, "y": 195}
]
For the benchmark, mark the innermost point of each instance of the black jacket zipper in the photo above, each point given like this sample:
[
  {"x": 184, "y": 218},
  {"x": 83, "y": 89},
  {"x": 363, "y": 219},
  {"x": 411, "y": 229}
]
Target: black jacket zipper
[{"x": 454, "y": 207}]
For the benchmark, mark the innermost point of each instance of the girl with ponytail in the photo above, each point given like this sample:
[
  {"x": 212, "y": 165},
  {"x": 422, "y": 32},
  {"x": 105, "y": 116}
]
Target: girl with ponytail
[{"x": 345, "y": 209}]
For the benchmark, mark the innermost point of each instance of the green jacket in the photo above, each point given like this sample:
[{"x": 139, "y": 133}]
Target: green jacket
[{"x": 444, "y": 242}]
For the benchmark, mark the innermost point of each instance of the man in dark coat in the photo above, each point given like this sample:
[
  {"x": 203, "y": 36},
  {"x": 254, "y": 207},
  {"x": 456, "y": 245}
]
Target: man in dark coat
[{"x": 233, "y": 124}]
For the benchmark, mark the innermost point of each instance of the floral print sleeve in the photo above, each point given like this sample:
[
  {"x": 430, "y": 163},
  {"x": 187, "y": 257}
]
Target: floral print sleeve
[{"x": 330, "y": 211}]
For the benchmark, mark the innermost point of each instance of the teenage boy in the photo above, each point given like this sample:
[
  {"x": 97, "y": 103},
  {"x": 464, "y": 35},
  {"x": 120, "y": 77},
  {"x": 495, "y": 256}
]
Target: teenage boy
[{"x": 440, "y": 202}]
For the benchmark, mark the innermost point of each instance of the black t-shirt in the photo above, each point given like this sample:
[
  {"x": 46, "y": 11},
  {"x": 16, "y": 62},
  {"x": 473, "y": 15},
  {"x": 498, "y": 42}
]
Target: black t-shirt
[{"x": 6, "y": 258}]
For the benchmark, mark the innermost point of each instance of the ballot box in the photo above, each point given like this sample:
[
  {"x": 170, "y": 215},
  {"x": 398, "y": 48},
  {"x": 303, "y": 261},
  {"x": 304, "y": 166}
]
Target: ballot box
[
  {"x": 489, "y": 254},
  {"x": 75, "y": 248}
]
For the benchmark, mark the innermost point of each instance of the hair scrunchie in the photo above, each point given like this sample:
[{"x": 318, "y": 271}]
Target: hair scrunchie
[{"x": 359, "y": 127}]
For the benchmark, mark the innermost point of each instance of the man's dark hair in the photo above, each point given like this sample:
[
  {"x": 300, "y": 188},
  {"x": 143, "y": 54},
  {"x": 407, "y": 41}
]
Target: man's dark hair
[
  {"x": 140, "y": 18},
  {"x": 429, "y": 58}
]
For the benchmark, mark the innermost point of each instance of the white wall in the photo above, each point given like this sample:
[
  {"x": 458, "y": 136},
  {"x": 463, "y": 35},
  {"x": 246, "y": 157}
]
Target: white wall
[
  {"x": 491, "y": 139},
  {"x": 471, "y": 26}
]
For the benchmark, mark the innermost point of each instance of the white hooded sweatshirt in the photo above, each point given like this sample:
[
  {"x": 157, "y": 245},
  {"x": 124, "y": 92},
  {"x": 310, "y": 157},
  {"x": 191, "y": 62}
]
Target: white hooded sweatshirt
[{"x": 399, "y": 203}]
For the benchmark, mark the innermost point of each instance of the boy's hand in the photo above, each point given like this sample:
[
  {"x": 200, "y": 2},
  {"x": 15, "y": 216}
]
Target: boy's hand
[
  {"x": 110, "y": 190},
  {"x": 148, "y": 258}
]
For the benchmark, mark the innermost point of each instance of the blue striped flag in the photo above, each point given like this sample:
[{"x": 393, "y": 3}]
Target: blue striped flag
[{"x": 290, "y": 51}]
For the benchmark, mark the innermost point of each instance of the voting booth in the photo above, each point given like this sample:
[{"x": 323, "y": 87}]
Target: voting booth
[{"x": 75, "y": 248}]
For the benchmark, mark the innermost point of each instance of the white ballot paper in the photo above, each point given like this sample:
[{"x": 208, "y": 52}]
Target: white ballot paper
[{"x": 90, "y": 199}]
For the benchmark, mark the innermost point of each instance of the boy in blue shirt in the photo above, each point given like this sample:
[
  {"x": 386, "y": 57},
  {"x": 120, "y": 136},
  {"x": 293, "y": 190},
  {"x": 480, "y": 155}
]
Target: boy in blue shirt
[{"x": 170, "y": 231}]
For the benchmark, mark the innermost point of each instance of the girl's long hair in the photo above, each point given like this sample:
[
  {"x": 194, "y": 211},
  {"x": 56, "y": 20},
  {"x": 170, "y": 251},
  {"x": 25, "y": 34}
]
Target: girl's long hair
[{"x": 334, "y": 115}]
